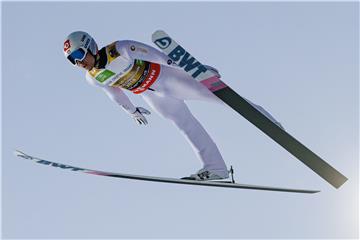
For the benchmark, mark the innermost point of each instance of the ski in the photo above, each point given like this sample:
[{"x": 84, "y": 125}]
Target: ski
[
  {"x": 198, "y": 71},
  {"x": 159, "y": 179}
]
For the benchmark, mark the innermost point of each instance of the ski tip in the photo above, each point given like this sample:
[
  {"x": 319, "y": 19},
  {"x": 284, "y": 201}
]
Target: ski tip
[
  {"x": 157, "y": 33},
  {"x": 19, "y": 153}
]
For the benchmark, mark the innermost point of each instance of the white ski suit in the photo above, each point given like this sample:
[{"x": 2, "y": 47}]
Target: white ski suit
[{"x": 144, "y": 70}]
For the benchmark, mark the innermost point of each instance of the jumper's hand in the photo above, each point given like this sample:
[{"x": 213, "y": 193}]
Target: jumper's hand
[{"x": 139, "y": 117}]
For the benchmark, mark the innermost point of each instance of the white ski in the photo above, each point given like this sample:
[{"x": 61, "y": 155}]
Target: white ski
[
  {"x": 191, "y": 65},
  {"x": 158, "y": 179}
]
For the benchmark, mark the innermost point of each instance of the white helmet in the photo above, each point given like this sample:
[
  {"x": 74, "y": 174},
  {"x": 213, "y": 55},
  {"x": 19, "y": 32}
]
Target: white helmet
[{"x": 77, "y": 45}]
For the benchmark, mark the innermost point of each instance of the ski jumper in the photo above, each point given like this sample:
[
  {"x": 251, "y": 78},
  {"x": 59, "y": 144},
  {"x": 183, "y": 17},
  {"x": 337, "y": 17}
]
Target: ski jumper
[{"x": 139, "y": 68}]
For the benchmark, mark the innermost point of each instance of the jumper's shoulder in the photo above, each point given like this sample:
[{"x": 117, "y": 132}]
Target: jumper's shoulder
[
  {"x": 132, "y": 45},
  {"x": 138, "y": 50},
  {"x": 135, "y": 48}
]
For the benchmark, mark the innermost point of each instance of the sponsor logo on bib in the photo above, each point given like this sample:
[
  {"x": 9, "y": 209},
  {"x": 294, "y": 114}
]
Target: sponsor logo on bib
[{"x": 104, "y": 75}]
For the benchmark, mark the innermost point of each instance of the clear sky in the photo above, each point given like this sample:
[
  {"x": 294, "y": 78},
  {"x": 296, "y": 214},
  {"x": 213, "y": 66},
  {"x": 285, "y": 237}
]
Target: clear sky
[{"x": 298, "y": 60}]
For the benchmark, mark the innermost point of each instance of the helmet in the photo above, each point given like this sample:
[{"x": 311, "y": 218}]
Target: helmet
[{"x": 77, "y": 45}]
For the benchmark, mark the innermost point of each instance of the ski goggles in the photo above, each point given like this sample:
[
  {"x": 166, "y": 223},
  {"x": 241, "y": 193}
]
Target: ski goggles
[{"x": 77, "y": 55}]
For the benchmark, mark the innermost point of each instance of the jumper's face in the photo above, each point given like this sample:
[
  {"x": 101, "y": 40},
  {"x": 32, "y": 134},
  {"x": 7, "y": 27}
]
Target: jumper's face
[{"x": 87, "y": 63}]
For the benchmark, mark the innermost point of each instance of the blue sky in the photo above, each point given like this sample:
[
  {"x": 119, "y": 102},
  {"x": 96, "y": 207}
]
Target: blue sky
[{"x": 298, "y": 60}]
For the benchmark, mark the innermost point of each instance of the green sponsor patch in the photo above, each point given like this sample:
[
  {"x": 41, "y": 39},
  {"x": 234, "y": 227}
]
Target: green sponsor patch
[
  {"x": 104, "y": 75},
  {"x": 139, "y": 62}
]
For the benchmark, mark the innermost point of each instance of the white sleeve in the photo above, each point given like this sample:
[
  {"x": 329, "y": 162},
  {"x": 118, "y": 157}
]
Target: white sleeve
[{"x": 117, "y": 95}]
